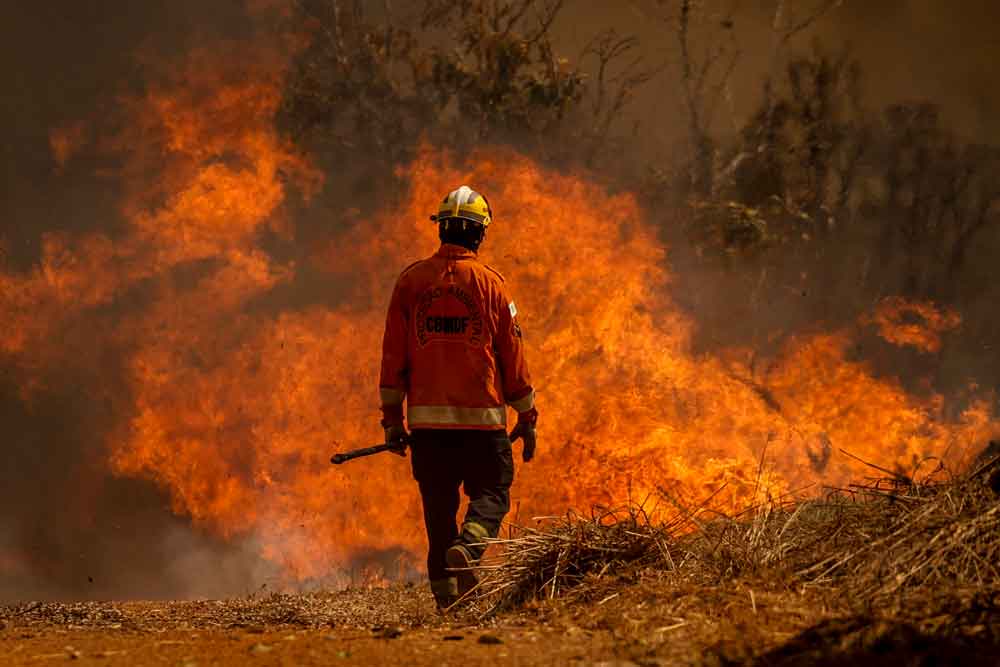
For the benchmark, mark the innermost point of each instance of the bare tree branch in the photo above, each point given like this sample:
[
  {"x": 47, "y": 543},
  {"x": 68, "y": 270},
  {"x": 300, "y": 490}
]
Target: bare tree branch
[
  {"x": 612, "y": 92},
  {"x": 805, "y": 22},
  {"x": 545, "y": 20}
]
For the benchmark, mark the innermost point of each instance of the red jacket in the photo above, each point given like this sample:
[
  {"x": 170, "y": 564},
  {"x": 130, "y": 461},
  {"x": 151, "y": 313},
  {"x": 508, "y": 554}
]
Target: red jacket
[{"x": 452, "y": 345}]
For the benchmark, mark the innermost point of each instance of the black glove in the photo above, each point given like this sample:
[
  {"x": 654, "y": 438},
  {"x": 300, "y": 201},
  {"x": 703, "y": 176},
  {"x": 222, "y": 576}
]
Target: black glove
[
  {"x": 525, "y": 429},
  {"x": 396, "y": 435}
]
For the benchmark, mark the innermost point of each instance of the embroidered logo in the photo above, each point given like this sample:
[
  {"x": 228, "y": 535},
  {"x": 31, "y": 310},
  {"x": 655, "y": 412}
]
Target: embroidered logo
[{"x": 448, "y": 314}]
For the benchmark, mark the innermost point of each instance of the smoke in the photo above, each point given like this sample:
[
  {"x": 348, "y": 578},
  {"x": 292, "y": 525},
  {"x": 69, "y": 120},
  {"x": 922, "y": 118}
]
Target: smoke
[
  {"x": 68, "y": 529},
  {"x": 909, "y": 49},
  {"x": 926, "y": 50}
]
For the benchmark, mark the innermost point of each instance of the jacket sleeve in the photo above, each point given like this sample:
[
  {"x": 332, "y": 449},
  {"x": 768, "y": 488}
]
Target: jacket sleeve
[
  {"x": 517, "y": 389},
  {"x": 394, "y": 377}
]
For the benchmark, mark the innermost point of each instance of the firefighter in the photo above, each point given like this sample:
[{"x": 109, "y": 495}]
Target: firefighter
[{"x": 452, "y": 349}]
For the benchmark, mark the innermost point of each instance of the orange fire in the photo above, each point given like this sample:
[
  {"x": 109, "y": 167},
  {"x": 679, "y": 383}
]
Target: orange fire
[
  {"x": 918, "y": 325},
  {"x": 236, "y": 405}
]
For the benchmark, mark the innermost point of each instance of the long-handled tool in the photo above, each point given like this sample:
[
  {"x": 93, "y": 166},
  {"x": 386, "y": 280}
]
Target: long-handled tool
[{"x": 337, "y": 459}]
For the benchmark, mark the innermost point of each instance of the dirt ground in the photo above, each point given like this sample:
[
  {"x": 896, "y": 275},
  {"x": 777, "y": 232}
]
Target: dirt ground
[
  {"x": 630, "y": 624},
  {"x": 458, "y": 646},
  {"x": 641, "y": 620}
]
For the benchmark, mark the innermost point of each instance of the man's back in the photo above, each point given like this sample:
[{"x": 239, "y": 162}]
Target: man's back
[{"x": 452, "y": 343}]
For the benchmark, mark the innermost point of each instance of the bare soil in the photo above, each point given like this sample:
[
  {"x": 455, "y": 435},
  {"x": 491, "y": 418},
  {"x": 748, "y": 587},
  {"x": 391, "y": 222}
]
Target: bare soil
[
  {"x": 634, "y": 622},
  {"x": 634, "y": 619}
]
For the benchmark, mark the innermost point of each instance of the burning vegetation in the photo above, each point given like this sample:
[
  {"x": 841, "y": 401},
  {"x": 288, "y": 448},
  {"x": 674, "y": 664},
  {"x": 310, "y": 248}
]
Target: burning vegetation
[{"x": 225, "y": 324}]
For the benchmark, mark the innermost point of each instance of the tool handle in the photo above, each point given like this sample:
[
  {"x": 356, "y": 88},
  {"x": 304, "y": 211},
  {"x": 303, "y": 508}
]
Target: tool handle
[{"x": 337, "y": 459}]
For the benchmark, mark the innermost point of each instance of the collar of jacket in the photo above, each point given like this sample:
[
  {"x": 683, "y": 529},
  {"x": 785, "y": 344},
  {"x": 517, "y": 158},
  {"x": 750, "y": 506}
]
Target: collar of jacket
[{"x": 452, "y": 251}]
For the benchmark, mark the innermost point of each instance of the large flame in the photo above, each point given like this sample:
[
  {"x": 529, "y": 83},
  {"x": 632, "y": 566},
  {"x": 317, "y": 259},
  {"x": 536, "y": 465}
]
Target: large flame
[{"x": 236, "y": 405}]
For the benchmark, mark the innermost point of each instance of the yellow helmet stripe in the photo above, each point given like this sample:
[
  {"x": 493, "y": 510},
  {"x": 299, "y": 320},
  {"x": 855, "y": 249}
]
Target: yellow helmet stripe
[{"x": 466, "y": 204}]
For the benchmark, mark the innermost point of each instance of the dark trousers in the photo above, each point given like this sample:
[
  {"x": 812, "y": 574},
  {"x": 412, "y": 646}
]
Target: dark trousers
[{"x": 444, "y": 460}]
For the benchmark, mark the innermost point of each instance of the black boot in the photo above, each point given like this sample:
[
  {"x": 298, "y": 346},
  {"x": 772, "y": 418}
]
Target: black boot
[
  {"x": 461, "y": 561},
  {"x": 445, "y": 592}
]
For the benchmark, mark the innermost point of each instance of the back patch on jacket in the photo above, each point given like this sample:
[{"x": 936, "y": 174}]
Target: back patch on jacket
[{"x": 448, "y": 314}]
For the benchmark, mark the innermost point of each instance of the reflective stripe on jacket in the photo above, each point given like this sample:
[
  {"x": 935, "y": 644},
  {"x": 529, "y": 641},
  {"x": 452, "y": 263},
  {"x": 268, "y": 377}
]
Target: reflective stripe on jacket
[{"x": 452, "y": 345}]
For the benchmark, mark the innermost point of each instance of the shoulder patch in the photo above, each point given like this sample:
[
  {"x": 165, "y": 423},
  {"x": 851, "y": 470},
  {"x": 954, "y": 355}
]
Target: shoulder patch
[{"x": 495, "y": 272}]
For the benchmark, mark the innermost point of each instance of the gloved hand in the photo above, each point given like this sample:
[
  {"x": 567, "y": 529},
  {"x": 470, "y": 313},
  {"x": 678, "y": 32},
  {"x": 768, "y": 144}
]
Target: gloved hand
[
  {"x": 525, "y": 429},
  {"x": 395, "y": 431},
  {"x": 395, "y": 434}
]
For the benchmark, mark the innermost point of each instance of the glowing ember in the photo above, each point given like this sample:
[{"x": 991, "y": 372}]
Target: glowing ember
[
  {"x": 919, "y": 325},
  {"x": 236, "y": 408}
]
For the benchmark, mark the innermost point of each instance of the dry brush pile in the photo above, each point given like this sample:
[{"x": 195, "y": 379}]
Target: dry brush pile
[{"x": 920, "y": 552}]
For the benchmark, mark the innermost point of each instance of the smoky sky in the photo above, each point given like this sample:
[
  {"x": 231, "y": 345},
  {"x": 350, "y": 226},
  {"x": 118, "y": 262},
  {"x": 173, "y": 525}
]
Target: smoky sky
[
  {"x": 63, "y": 61},
  {"x": 79, "y": 533},
  {"x": 909, "y": 50},
  {"x": 923, "y": 49},
  {"x": 67, "y": 61},
  {"x": 75, "y": 531}
]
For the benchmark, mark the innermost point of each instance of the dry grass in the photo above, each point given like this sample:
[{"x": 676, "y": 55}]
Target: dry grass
[
  {"x": 923, "y": 552},
  {"x": 567, "y": 552}
]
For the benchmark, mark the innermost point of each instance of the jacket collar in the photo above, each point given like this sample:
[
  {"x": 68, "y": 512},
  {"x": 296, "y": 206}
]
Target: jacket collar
[{"x": 452, "y": 251}]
